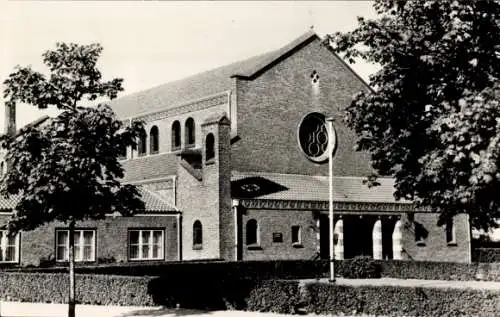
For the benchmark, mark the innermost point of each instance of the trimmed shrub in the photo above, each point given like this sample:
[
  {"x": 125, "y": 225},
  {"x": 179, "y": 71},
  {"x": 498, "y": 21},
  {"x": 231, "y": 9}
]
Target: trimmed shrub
[
  {"x": 323, "y": 298},
  {"x": 274, "y": 296},
  {"x": 360, "y": 267},
  {"x": 200, "y": 292},
  {"x": 90, "y": 289}
]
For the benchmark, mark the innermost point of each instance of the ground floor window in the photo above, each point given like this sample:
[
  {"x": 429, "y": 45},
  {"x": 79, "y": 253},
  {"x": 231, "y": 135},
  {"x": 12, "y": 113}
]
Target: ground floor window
[
  {"x": 9, "y": 247},
  {"x": 450, "y": 232},
  {"x": 145, "y": 244},
  {"x": 296, "y": 235},
  {"x": 84, "y": 245}
]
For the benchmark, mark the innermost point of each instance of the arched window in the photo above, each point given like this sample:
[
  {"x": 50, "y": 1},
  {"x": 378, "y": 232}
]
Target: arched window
[
  {"x": 190, "y": 132},
  {"x": 252, "y": 232},
  {"x": 197, "y": 234},
  {"x": 154, "y": 141},
  {"x": 176, "y": 135},
  {"x": 142, "y": 143},
  {"x": 450, "y": 232},
  {"x": 209, "y": 147},
  {"x": 2, "y": 166}
]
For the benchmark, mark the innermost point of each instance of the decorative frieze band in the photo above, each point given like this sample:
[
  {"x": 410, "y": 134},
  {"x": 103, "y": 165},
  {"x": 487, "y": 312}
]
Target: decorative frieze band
[
  {"x": 324, "y": 205},
  {"x": 219, "y": 99}
]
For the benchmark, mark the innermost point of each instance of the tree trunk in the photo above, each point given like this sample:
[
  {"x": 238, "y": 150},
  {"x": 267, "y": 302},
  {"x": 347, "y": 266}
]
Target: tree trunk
[{"x": 71, "y": 302}]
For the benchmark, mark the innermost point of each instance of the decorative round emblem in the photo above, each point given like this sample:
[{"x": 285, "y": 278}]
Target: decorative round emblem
[{"x": 313, "y": 137}]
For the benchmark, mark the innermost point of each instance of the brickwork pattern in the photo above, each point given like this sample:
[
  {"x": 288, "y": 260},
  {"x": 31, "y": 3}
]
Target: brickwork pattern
[
  {"x": 111, "y": 237},
  {"x": 271, "y": 106}
]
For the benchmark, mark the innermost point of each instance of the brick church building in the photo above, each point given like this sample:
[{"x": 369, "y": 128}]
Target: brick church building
[{"x": 233, "y": 165}]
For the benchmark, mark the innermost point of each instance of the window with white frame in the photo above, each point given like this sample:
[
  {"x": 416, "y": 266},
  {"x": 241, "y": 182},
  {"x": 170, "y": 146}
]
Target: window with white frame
[
  {"x": 84, "y": 245},
  {"x": 9, "y": 247},
  {"x": 145, "y": 244}
]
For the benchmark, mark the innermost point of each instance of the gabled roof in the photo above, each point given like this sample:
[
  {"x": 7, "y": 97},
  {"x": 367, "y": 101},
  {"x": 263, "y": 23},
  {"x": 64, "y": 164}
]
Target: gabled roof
[
  {"x": 314, "y": 188},
  {"x": 207, "y": 83}
]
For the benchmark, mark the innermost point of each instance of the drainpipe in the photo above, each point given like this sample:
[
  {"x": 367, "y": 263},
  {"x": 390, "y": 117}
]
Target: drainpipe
[
  {"x": 179, "y": 236},
  {"x": 175, "y": 191},
  {"x": 235, "y": 206}
]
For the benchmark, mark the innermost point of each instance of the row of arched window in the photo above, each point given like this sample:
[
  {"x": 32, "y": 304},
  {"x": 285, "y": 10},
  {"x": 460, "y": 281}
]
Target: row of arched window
[
  {"x": 154, "y": 137},
  {"x": 252, "y": 233}
]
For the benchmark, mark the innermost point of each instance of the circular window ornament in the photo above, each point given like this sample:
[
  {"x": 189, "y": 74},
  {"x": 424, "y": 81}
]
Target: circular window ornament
[{"x": 313, "y": 137}]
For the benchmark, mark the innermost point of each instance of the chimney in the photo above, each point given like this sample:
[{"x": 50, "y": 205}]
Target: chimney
[{"x": 10, "y": 119}]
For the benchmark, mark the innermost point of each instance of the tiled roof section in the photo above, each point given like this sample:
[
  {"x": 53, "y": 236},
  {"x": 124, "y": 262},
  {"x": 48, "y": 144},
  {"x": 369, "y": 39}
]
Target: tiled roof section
[
  {"x": 305, "y": 187},
  {"x": 151, "y": 166},
  {"x": 154, "y": 202},
  {"x": 218, "y": 117},
  {"x": 8, "y": 204},
  {"x": 207, "y": 83}
]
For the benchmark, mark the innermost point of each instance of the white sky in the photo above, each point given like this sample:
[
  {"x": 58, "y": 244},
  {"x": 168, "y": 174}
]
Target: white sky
[{"x": 150, "y": 43}]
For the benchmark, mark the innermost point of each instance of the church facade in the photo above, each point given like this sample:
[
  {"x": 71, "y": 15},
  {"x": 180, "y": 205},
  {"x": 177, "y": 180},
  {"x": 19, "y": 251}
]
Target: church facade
[{"x": 233, "y": 165}]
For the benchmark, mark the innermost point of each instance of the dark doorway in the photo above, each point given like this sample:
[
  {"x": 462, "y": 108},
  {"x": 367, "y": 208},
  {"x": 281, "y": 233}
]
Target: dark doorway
[
  {"x": 358, "y": 235},
  {"x": 388, "y": 224}
]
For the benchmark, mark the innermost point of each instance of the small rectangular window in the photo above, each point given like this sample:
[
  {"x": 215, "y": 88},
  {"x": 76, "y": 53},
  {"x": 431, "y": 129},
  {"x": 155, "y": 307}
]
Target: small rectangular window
[
  {"x": 84, "y": 245},
  {"x": 296, "y": 235},
  {"x": 9, "y": 247},
  {"x": 145, "y": 244},
  {"x": 277, "y": 237}
]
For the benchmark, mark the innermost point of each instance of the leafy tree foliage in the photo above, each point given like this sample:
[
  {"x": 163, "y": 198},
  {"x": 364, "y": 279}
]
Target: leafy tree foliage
[
  {"x": 433, "y": 118},
  {"x": 67, "y": 168}
]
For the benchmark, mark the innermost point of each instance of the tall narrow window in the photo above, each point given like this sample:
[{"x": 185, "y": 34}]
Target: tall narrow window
[
  {"x": 209, "y": 147},
  {"x": 84, "y": 245},
  {"x": 450, "y": 232},
  {"x": 197, "y": 235},
  {"x": 190, "y": 132},
  {"x": 142, "y": 143},
  {"x": 1, "y": 169},
  {"x": 176, "y": 135},
  {"x": 252, "y": 232},
  {"x": 9, "y": 247},
  {"x": 296, "y": 235},
  {"x": 154, "y": 141}
]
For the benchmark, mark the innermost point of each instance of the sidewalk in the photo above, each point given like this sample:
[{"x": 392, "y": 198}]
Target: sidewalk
[
  {"x": 17, "y": 309},
  {"x": 485, "y": 285}
]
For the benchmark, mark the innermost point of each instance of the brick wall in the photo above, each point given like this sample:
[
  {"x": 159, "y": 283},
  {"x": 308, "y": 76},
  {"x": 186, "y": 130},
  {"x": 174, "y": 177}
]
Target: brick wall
[
  {"x": 280, "y": 221},
  {"x": 435, "y": 247},
  {"x": 111, "y": 237},
  {"x": 271, "y": 106}
]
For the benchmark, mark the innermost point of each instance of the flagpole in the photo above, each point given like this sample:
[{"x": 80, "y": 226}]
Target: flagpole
[{"x": 331, "y": 140}]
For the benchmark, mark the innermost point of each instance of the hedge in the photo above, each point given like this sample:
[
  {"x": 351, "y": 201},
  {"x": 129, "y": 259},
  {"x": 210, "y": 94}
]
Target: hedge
[
  {"x": 279, "y": 296},
  {"x": 294, "y": 269},
  {"x": 323, "y": 298},
  {"x": 90, "y": 289},
  {"x": 486, "y": 255}
]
